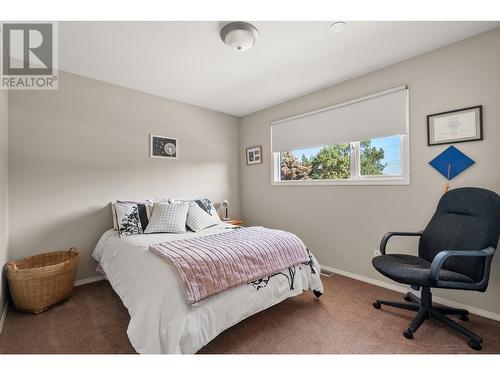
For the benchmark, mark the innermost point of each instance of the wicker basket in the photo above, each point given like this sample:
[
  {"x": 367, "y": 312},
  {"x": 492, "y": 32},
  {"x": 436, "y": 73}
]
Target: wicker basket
[{"x": 39, "y": 281}]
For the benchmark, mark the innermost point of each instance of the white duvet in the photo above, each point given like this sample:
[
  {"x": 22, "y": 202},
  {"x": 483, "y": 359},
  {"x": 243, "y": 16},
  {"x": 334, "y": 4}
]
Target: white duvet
[{"x": 160, "y": 319}]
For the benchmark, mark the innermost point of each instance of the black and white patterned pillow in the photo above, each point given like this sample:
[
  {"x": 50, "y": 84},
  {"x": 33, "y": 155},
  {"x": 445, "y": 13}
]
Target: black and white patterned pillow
[
  {"x": 131, "y": 217},
  {"x": 198, "y": 219},
  {"x": 204, "y": 203},
  {"x": 168, "y": 218}
]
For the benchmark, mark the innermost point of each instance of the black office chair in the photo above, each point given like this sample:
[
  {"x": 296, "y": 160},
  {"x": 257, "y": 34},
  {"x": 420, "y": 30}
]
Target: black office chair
[{"x": 454, "y": 252}]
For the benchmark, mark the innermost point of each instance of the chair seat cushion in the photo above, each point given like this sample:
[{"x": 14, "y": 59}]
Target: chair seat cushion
[{"x": 412, "y": 270}]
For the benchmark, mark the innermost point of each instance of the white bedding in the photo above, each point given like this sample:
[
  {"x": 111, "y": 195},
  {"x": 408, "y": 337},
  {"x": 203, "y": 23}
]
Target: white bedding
[{"x": 160, "y": 319}]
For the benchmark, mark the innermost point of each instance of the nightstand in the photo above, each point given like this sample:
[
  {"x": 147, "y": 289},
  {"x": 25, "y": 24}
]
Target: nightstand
[{"x": 235, "y": 222}]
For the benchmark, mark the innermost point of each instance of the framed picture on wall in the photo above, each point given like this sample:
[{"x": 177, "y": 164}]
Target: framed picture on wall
[
  {"x": 254, "y": 155},
  {"x": 163, "y": 147},
  {"x": 461, "y": 125}
]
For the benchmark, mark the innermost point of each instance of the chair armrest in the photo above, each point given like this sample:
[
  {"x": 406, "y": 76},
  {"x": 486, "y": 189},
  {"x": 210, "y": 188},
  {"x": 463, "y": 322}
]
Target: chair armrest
[
  {"x": 440, "y": 258},
  {"x": 386, "y": 237}
]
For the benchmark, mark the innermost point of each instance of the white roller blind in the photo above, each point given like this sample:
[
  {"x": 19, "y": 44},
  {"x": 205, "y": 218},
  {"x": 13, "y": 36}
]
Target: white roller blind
[{"x": 375, "y": 116}]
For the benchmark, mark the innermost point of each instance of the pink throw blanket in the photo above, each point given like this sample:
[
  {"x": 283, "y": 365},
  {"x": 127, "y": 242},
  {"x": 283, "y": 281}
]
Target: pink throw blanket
[{"x": 211, "y": 264}]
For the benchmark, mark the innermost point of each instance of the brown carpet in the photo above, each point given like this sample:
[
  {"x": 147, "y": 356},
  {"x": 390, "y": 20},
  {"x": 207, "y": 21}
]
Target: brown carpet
[{"x": 342, "y": 321}]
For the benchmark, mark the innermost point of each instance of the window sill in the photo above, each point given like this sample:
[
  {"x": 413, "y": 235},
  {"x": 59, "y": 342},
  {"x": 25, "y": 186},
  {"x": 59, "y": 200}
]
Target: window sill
[{"x": 364, "y": 181}]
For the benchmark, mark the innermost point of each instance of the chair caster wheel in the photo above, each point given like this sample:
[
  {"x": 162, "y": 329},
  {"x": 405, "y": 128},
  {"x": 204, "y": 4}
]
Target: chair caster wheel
[
  {"x": 408, "y": 334},
  {"x": 376, "y": 305},
  {"x": 476, "y": 345},
  {"x": 463, "y": 318},
  {"x": 407, "y": 299}
]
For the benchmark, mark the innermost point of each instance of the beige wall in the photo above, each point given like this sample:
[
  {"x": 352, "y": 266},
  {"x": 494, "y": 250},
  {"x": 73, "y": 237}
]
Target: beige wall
[
  {"x": 73, "y": 150},
  {"x": 3, "y": 194},
  {"x": 343, "y": 225}
]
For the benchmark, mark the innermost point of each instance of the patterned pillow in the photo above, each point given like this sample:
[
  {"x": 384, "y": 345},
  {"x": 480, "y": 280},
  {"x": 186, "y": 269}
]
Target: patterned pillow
[
  {"x": 204, "y": 203},
  {"x": 131, "y": 217},
  {"x": 143, "y": 207},
  {"x": 168, "y": 218},
  {"x": 198, "y": 219}
]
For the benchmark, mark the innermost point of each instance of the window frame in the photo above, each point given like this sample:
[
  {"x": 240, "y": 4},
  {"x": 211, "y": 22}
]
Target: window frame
[{"x": 356, "y": 177}]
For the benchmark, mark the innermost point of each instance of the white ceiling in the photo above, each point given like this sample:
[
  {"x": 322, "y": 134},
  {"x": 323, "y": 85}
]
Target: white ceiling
[{"x": 187, "y": 61}]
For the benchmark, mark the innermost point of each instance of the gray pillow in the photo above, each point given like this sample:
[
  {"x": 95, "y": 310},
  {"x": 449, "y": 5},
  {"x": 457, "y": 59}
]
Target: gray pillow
[
  {"x": 198, "y": 218},
  {"x": 168, "y": 218}
]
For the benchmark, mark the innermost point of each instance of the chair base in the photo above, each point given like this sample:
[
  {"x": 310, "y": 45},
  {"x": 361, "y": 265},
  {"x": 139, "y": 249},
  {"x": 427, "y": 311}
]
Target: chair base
[{"x": 425, "y": 310}]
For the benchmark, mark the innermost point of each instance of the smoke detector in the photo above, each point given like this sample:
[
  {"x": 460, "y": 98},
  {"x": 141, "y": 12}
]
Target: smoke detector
[{"x": 239, "y": 36}]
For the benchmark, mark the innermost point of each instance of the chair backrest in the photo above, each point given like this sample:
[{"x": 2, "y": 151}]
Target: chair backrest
[{"x": 465, "y": 219}]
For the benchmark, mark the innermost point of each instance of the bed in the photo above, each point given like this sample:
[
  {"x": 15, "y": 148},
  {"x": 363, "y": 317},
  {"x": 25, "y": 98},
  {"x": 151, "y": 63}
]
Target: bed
[{"x": 161, "y": 321}]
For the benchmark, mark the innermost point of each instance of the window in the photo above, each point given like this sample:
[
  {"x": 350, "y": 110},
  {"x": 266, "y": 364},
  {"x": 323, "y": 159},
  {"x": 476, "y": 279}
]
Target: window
[
  {"x": 379, "y": 157},
  {"x": 318, "y": 163}
]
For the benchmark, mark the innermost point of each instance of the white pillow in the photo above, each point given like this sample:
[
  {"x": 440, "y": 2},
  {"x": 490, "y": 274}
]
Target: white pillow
[
  {"x": 198, "y": 218},
  {"x": 128, "y": 219},
  {"x": 204, "y": 203},
  {"x": 143, "y": 207},
  {"x": 168, "y": 218}
]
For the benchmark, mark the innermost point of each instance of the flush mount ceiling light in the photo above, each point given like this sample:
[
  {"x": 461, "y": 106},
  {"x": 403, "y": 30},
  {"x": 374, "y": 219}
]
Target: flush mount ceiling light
[
  {"x": 239, "y": 36},
  {"x": 337, "y": 27}
]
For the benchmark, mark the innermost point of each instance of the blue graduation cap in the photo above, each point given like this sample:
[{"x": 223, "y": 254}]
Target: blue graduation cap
[{"x": 451, "y": 162}]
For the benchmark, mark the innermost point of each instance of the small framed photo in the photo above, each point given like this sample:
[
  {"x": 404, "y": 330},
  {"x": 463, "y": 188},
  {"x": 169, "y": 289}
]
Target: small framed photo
[
  {"x": 461, "y": 125},
  {"x": 254, "y": 155},
  {"x": 163, "y": 147}
]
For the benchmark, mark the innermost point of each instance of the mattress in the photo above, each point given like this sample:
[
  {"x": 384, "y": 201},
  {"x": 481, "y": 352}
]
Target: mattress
[{"x": 161, "y": 321}]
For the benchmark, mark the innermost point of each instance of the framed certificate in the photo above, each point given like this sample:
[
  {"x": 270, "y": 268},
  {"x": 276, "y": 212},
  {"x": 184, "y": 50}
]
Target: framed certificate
[{"x": 461, "y": 125}]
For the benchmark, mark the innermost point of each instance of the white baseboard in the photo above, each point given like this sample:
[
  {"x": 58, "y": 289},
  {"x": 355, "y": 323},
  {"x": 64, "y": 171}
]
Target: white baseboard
[
  {"x": 403, "y": 289},
  {"x": 89, "y": 280},
  {"x": 4, "y": 315}
]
